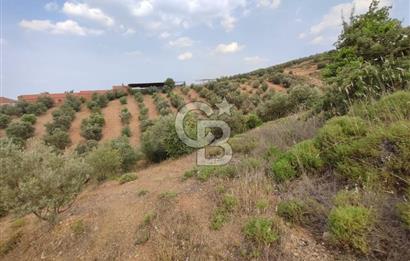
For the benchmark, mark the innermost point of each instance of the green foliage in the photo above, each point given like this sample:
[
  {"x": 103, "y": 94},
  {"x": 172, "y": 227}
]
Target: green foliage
[
  {"x": 276, "y": 107},
  {"x": 170, "y": 83},
  {"x": 243, "y": 145},
  {"x": 160, "y": 141},
  {"x": 99, "y": 101},
  {"x": 283, "y": 169},
  {"x": 78, "y": 228},
  {"x": 261, "y": 231},
  {"x": 123, "y": 100},
  {"x": 20, "y": 130},
  {"x": 176, "y": 100},
  {"x": 347, "y": 198},
  {"x": 39, "y": 181},
  {"x": 46, "y": 100},
  {"x": 105, "y": 162},
  {"x": 222, "y": 213},
  {"x": 126, "y": 131},
  {"x": 404, "y": 213},
  {"x": 303, "y": 97},
  {"x": 58, "y": 139},
  {"x": 73, "y": 102},
  {"x": 86, "y": 147},
  {"x": 127, "y": 178},
  {"x": 91, "y": 128},
  {"x": 4, "y": 120},
  {"x": 253, "y": 121},
  {"x": 128, "y": 155},
  {"x": 292, "y": 210},
  {"x": 350, "y": 226},
  {"x": 125, "y": 116},
  {"x": 372, "y": 58},
  {"x": 30, "y": 118},
  {"x": 36, "y": 108}
]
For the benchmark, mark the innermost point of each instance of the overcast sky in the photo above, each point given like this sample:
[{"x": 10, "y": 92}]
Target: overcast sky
[{"x": 58, "y": 46}]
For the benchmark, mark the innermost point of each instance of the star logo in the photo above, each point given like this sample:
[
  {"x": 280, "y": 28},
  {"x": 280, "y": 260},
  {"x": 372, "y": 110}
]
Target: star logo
[{"x": 224, "y": 107}]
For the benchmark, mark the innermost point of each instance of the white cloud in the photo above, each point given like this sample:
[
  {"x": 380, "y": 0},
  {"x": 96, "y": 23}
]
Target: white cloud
[
  {"x": 129, "y": 32},
  {"x": 185, "y": 56},
  {"x": 182, "y": 42},
  {"x": 84, "y": 11},
  {"x": 142, "y": 8},
  {"x": 228, "y": 48},
  {"x": 51, "y": 6},
  {"x": 255, "y": 60},
  {"x": 66, "y": 27},
  {"x": 228, "y": 23},
  {"x": 270, "y": 3},
  {"x": 330, "y": 25},
  {"x": 164, "y": 35}
]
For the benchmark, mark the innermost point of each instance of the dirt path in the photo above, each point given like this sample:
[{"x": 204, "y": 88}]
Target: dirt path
[
  {"x": 134, "y": 123},
  {"x": 307, "y": 70},
  {"x": 152, "y": 109},
  {"x": 40, "y": 128},
  {"x": 275, "y": 87},
  {"x": 75, "y": 130},
  {"x": 113, "y": 126}
]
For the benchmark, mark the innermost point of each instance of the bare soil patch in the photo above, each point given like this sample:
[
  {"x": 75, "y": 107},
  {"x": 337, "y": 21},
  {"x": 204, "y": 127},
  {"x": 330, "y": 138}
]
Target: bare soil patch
[
  {"x": 134, "y": 123},
  {"x": 113, "y": 126},
  {"x": 152, "y": 109},
  {"x": 75, "y": 130},
  {"x": 40, "y": 128}
]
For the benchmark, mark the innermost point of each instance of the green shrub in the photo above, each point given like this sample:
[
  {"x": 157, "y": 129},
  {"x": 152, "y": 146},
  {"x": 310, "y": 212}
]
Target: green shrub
[
  {"x": 306, "y": 156},
  {"x": 36, "y": 108},
  {"x": 86, "y": 147},
  {"x": 39, "y": 181},
  {"x": 59, "y": 139},
  {"x": 345, "y": 198},
  {"x": 222, "y": 213},
  {"x": 91, "y": 128},
  {"x": 404, "y": 213},
  {"x": 73, "y": 102},
  {"x": 350, "y": 226},
  {"x": 169, "y": 82},
  {"x": 105, "y": 162},
  {"x": 123, "y": 100},
  {"x": 243, "y": 145},
  {"x": 4, "y": 120},
  {"x": 261, "y": 231},
  {"x": 283, "y": 169},
  {"x": 127, "y": 178},
  {"x": 276, "y": 107},
  {"x": 389, "y": 108},
  {"x": 20, "y": 130},
  {"x": 292, "y": 210},
  {"x": 125, "y": 116},
  {"x": 128, "y": 155},
  {"x": 253, "y": 121},
  {"x": 176, "y": 100},
  {"x": 126, "y": 131},
  {"x": 30, "y": 118},
  {"x": 303, "y": 97},
  {"x": 46, "y": 100}
]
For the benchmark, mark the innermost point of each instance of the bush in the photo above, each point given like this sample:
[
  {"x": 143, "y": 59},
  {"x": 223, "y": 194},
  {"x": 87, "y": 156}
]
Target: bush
[
  {"x": 283, "y": 168},
  {"x": 292, "y": 211},
  {"x": 46, "y": 100},
  {"x": 123, "y": 100},
  {"x": 105, "y": 162},
  {"x": 253, "y": 121},
  {"x": 126, "y": 131},
  {"x": 176, "y": 100},
  {"x": 30, "y": 118},
  {"x": 86, "y": 147},
  {"x": 20, "y": 130},
  {"x": 36, "y": 108},
  {"x": 128, "y": 156},
  {"x": 125, "y": 116},
  {"x": 127, "y": 178},
  {"x": 170, "y": 83},
  {"x": 306, "y": 156},
  {"x": 4, "y": 120},
  {"x": 59, "y": 139},
  {"x": 39, "y": 181},
  {"x": 303, "y": 97},
  {"x": 261, "y": 231},
  {"x": 276, "y": 107},
  {"x": 161, "y": 141},
  {"x": 350, "y": 226},
  {"x": 91, "y": 128},
  {"x": 73, "y": 102}
]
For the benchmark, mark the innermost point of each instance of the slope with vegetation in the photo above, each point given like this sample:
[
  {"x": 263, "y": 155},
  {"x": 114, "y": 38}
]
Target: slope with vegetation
[{"x": 320, "y": 168}]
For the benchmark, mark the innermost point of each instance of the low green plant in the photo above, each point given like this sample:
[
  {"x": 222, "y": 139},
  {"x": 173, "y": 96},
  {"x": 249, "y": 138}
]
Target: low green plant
[
  {"x": 78, "y": 228},
  {"x": 105, "y": 162},
  {"x": 58, "y": 139},
  {"x": 20, "y": 130},
  {"x": 350, "y": 226},
  {"x": 261, "y": 231},
  {"x": 128, "y": 177},
  {"x": 123, "y": 100},
  {"x": 291, "y": 210},
  {"x": 30, "y": 118},
  {"x": 4, "y": 120}
]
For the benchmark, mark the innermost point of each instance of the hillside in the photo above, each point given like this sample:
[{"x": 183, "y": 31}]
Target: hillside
[{"x": 320, "y": 166}]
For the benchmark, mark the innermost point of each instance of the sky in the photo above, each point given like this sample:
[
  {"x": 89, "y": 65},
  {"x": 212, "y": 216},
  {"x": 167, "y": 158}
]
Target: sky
[{"x": 62, "y": 45}]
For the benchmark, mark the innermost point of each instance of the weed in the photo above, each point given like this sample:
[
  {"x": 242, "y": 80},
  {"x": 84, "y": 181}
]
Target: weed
[
  {"x": 350, "y": 226},
  {"x": 262, "y": 205},
  {"x": 78, "y": 227},
  {"x": 291, "y": 210},
  {"x": 127, "y": 178},
  {"x": 261, "y": 231}
]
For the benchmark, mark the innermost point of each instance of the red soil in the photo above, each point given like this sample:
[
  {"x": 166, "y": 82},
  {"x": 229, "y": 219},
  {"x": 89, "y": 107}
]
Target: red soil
[
  {"x": 113, "y": 126},
  {"x": 75, "y": 130},
  {"x": 40, "y": 128},
  {"x": 152, "y": 109},
  {"x": 134, "y": 123}
]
